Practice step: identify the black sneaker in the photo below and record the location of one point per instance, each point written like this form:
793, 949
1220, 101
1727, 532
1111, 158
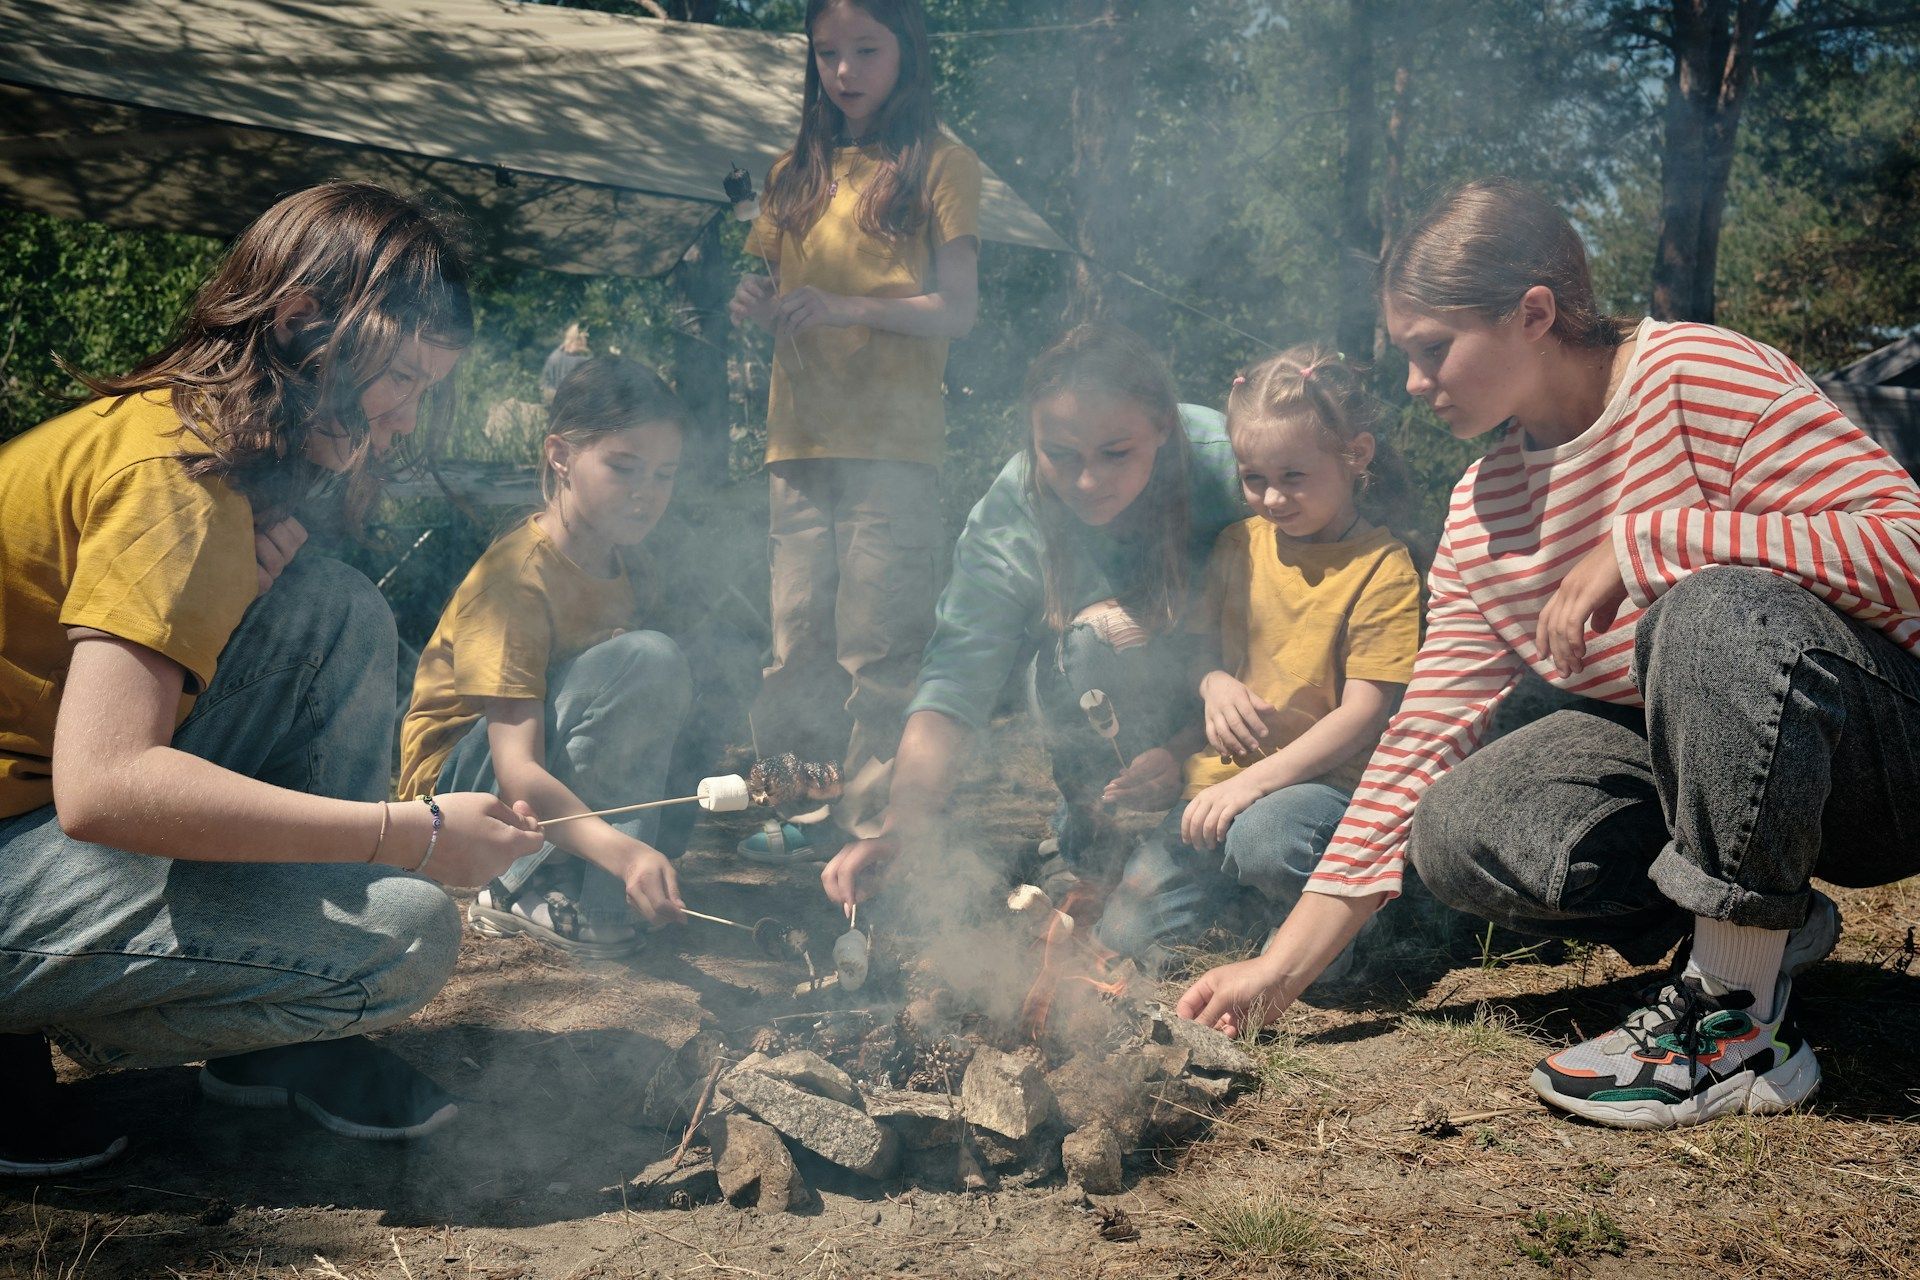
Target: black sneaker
40, 1137
351, 1086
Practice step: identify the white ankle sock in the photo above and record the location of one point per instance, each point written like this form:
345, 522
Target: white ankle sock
1741, 957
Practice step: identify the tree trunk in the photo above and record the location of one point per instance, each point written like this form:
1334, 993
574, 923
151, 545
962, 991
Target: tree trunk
1359, 232
1712, 71
1393, 195
699, 283
1101, 121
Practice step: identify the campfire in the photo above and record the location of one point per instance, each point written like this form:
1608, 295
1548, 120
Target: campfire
1019, 1053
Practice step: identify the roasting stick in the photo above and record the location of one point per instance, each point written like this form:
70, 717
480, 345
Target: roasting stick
724, 794
701, 915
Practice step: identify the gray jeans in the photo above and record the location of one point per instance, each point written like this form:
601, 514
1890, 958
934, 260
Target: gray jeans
136, 961
1781, 741
613, 714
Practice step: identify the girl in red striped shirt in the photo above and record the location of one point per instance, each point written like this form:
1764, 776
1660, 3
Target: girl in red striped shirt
1722, 573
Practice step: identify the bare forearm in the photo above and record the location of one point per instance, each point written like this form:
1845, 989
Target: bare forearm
166, 803
594, 839
1334, 738
1317, 929
929, 315
923, 769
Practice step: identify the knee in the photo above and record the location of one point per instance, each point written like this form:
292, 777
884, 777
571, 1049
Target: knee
1275, 845
322, 587
1443, 855
418, 928
1719, 623
647, 665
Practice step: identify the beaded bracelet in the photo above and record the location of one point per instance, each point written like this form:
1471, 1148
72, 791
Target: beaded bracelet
439, 820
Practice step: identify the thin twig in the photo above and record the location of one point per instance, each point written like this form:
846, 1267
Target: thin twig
394, 1240
699, 1112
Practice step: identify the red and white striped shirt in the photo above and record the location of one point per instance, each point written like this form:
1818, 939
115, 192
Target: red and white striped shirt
1715, 450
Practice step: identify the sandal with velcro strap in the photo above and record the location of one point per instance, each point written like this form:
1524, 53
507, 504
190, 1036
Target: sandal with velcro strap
551, 917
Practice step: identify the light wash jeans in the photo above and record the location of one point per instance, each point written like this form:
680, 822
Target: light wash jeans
135, 961
1781, 741
1171, 893
613, 714
1150, 689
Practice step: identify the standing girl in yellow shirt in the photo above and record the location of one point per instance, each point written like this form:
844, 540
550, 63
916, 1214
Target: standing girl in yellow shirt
198, 858
871, 230
1313, 605
543, 682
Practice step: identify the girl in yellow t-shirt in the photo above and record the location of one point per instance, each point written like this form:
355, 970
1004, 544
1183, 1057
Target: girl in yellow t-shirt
871, 231
1313, 607
543, 683
201, 862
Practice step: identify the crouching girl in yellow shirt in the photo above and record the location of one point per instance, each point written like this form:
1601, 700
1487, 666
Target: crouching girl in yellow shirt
542, 682
1314, 606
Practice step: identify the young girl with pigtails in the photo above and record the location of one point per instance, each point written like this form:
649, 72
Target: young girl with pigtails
1310, 621
871, 233
544, 682
1682, 530
198, 858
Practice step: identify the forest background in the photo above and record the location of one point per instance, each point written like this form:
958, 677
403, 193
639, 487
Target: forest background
1230, 172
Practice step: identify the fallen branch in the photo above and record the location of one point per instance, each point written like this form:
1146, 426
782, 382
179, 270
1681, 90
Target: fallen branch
699, 1112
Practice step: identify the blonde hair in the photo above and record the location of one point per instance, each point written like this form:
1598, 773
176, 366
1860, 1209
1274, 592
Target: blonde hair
1107, 360
1319, 388
1483, 244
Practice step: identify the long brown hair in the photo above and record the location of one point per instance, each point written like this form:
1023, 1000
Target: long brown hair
1483, 244
1107, 360
894, 205
1316, 385
378, 267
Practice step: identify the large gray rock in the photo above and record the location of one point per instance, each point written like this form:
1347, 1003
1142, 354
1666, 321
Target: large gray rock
1091, 1157
1004, 1093
832, 1130
813, 1073
921, 1120
754, 1166
1207, 1049
1112, 1091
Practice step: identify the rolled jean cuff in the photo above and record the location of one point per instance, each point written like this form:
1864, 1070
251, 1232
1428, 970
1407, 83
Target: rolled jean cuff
1694, 890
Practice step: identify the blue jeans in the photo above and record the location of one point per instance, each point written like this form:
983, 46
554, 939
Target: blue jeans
1781, 741
135, 961
1151, 691
613, 714
1172, 893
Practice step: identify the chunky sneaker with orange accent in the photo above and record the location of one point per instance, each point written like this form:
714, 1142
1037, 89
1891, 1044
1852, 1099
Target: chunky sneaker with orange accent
1695, 1052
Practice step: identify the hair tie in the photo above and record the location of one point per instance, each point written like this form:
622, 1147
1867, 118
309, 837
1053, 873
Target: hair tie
1239, 379
1306, 374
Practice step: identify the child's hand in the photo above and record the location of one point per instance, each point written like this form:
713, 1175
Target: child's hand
479, 837
1588, 600
856, 871
652, 886
753, 300
1236, 715
1209, 814
1233, 998
1150, 783
807, 307
274, 548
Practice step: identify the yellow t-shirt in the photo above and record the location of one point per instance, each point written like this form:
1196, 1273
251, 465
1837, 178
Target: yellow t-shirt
100, 526
523, 609
859, 392
1296, 619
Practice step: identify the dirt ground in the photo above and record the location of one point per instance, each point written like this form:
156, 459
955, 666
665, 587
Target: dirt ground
1393, 1134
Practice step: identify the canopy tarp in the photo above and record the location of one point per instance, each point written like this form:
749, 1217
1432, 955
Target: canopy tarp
574, 140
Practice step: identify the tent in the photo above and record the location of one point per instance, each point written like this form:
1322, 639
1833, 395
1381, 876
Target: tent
574, 140
1881, 393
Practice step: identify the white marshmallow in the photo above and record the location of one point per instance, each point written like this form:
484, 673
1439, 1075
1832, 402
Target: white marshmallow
724, 794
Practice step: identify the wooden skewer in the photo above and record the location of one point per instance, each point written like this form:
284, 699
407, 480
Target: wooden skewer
701, 915
625, 808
